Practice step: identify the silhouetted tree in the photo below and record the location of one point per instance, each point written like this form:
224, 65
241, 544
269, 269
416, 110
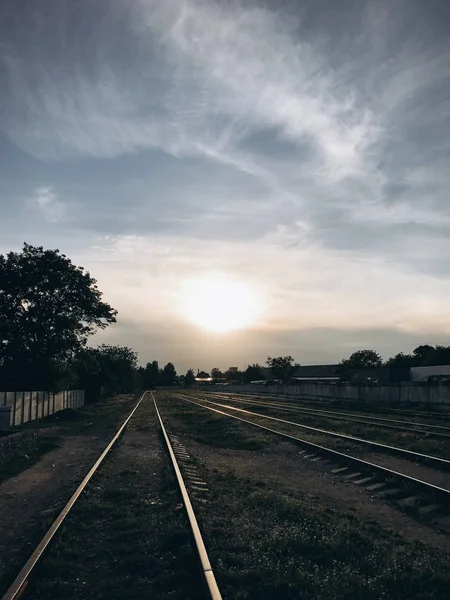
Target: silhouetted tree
168, 375
232, 375
189, 378
282, 367
363, 359
48, 309
441, 355
110, 367
424, 355
216, 373
151, 375
253, 373
399, 366
203, 375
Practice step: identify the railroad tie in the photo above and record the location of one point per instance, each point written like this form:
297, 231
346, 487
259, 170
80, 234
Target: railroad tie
375, 486
363, 480
351, 476
425, 510
410, 501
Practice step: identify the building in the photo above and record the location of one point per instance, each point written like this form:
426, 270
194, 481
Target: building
425, 373
325, 373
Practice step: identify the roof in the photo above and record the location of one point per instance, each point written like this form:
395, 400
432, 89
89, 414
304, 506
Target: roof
309, 371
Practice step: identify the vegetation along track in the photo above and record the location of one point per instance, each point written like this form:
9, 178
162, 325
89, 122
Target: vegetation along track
357, 406
427, 499
436, 461
396, 424
421, 438
37, 580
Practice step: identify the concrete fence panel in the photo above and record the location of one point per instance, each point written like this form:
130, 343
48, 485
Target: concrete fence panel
404, 393
30, 406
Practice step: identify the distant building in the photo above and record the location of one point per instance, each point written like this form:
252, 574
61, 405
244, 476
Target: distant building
425, 373
325, 373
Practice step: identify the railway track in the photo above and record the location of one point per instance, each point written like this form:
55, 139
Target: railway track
394, 424
435, 461
353, 405
19, 586
427, 499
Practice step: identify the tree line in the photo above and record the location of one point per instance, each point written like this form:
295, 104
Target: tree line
397, 368
49, 309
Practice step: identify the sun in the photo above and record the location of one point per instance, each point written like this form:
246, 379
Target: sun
219, 303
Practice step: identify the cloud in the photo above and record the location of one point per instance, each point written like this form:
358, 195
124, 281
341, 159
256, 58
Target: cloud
306, 287
304, 154
46, 201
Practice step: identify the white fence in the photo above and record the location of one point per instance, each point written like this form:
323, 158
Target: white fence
29, 406
389, 394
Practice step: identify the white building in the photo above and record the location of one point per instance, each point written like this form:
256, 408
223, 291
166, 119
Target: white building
423, 373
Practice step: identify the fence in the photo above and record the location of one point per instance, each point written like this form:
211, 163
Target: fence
29, 406
407, 393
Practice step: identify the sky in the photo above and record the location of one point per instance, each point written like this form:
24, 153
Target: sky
287, 159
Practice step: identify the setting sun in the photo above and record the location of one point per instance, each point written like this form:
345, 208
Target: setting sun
218, 303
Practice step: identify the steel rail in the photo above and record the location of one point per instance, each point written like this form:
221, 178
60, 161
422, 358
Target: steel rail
200, 545
353, 415
424, 485
401, 451
21, 581
343, 416
357, 403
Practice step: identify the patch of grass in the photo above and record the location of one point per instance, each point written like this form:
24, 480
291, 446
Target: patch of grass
211, 429
24, 461
416, 442
91, 418
266, 544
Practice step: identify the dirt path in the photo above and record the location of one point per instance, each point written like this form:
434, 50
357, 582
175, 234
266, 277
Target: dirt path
29, 501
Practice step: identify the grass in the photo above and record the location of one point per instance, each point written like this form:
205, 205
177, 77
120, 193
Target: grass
416, 442
268, 544
211, 429
23, 461
97, 418
91, 418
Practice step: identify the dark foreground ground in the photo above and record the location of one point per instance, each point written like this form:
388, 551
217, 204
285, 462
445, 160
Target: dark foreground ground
276, 526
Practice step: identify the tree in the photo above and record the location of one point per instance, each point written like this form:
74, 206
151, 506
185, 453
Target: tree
233, 375
363, 359
48, 309
441, 356
399, 366
282, 367
168, 375
112, 368
253, 373
203, 375
216, 373
151, 375
424, 355
189, 379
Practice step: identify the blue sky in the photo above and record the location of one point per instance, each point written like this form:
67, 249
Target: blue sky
299, 147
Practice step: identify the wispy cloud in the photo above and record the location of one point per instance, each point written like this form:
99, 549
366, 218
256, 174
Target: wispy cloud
306, 154
46, 201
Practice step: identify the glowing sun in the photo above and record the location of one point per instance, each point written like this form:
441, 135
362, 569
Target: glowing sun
218, 303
